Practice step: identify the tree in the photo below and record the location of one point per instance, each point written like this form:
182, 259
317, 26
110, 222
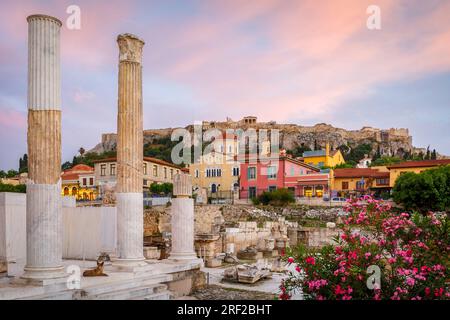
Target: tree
385, 161
23, 164
358, 152
12, 173
428, 190
2, 174
433, 155
428, 155
81, 151
66, 165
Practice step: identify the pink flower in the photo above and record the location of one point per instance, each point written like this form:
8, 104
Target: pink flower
410, 281
367, 255
297, 268
290, 260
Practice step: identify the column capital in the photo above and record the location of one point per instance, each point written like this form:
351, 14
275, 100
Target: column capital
44, 17
130, 48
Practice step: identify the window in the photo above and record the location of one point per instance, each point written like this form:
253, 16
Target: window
382, 182
155, 170
196, 173
292, 171
84, 181
301, 171
360, 185
219, 172
112, 169
91, 181
145, 168
272, 188
171, 174
272, 172
145, 182
235, 171
344, 185
165, 173
103, 169
251, 173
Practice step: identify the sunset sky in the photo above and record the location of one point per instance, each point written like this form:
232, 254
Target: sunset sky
301, 62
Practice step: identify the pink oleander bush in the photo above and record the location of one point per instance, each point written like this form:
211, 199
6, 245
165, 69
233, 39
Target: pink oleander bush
411, 250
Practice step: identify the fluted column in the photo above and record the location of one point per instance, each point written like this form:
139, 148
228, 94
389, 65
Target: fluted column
182, 219
129, 197
44, 220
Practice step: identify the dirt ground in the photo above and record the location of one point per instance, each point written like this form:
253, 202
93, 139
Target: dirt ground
215, 292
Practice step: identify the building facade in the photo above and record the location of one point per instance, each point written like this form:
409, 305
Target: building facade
154, 170
323, 158
396, 170
79, 182
275, 173
356, 181
217, 170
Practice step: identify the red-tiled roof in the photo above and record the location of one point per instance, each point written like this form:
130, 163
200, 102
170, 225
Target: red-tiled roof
81, 167
422, 163
77, 170
359, 172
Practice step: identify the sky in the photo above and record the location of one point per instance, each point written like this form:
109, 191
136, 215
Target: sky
301, 62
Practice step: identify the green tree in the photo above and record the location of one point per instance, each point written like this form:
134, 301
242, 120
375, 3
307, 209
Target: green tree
385, 161
66, 165
23, 164
433, 155
11, 173
357, 153
428, 190
21, 188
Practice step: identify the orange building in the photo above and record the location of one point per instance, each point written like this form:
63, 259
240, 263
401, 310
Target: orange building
79, 182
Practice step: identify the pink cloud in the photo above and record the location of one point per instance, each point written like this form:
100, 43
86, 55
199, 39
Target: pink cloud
319, 56
12, 119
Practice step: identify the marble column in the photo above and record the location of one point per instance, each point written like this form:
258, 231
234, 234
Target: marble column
182, 219
44, 212
129, 196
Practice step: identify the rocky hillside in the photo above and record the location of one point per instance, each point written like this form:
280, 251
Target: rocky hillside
388, 141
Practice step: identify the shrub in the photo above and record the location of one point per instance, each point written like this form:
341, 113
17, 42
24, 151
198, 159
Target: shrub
410, 250
279, 197
161, 188
21, 188
428, 190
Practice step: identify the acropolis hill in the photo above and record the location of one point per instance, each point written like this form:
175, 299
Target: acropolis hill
391, 141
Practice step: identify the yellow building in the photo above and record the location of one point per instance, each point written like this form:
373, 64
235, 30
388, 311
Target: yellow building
217, 170
358, 180
79, 182
323, 158
413, 166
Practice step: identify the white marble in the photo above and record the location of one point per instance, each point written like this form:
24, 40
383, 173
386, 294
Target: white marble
88, 231
130, 228
13, 227
44, 75
44, 231
182, 229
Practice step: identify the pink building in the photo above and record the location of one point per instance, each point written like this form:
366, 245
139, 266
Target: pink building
283, 172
